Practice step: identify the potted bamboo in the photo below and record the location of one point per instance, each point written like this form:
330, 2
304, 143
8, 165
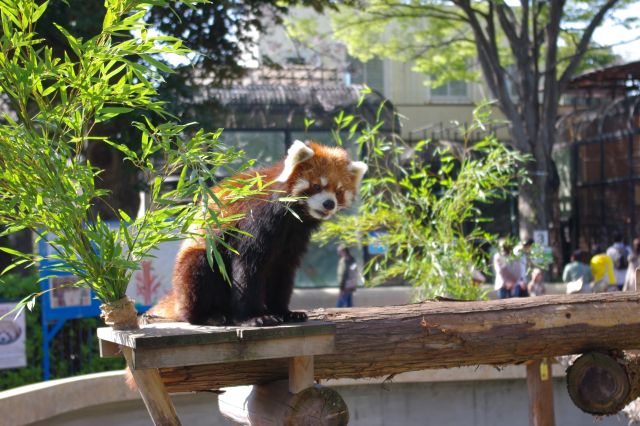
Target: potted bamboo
47, 184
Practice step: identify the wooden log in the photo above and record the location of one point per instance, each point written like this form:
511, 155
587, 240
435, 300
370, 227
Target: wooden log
382, 341
603, 384
273, 404
540, 387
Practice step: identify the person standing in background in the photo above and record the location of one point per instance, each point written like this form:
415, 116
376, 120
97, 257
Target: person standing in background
526, 264
619, 255
577, 269
508, 272
634, 262
604, 278
346, 276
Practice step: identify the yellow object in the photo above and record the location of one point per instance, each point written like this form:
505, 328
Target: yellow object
601, 264
544, 369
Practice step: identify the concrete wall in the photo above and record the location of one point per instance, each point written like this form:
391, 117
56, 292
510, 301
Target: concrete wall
377, 296
482, 396
193, 409
477, 403
326, 297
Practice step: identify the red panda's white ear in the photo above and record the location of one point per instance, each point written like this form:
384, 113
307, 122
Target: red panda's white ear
298, 152
358, 169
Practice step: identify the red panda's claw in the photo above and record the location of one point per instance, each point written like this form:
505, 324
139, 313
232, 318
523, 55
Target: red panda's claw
295, 316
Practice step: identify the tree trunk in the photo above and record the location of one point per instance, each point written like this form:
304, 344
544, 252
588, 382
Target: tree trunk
117, 177
383, 341
532, 202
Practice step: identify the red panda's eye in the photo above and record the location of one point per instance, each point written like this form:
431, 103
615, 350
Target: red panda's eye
339, 193
316, 187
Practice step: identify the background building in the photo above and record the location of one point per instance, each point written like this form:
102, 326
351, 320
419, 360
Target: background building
601, 143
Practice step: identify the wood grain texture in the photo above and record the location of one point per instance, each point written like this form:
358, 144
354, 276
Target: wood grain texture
382, 341
604, 383
176, 356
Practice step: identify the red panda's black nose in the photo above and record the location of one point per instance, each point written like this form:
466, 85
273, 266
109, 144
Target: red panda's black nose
329, 204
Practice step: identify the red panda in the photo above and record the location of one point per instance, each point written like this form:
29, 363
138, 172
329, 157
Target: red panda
262, 273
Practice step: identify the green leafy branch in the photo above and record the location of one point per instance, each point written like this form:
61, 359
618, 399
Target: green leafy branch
421, 202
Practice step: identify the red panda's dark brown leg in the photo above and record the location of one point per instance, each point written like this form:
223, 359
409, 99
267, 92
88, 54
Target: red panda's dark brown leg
248, 295
201, 294
279, 289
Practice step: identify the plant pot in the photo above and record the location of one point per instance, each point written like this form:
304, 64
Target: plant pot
120, 315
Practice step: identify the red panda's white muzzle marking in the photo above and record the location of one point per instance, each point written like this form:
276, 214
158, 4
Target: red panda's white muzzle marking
322, 205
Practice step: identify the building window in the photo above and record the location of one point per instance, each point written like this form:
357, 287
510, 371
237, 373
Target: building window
370, 73
456, 89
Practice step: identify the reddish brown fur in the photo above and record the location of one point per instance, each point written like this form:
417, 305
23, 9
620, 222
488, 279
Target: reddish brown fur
329, 162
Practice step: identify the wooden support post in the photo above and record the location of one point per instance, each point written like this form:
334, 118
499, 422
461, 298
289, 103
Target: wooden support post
273, 404
153, 393
540, 385
300, 373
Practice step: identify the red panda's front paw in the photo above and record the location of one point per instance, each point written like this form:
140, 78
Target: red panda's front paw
263, 321
295, 316
218, 320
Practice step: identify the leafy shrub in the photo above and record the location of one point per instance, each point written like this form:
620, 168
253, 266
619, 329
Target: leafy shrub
421, 203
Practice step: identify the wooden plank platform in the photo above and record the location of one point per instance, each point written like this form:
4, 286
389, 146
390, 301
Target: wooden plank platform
168, 334
165, 345
172, 344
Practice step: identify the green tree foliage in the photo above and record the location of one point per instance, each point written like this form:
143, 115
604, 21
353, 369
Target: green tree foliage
421, 203
47, 184
222, 33
526, 53
438, 36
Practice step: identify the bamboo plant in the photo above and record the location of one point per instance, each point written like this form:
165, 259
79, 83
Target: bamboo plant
47, 185
421, 203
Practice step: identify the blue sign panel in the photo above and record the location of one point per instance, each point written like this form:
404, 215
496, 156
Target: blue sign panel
62, 301
376, 247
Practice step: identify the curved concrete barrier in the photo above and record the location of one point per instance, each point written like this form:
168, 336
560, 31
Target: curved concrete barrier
468, 395
40, 401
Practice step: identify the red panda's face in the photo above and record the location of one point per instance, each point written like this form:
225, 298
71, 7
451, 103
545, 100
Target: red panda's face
325, 178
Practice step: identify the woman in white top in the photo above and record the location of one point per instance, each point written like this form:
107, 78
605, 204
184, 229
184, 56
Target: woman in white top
634, 262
